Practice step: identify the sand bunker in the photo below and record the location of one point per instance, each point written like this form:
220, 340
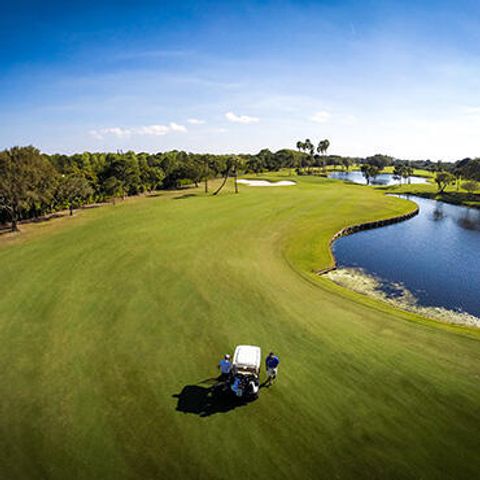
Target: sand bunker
265, 183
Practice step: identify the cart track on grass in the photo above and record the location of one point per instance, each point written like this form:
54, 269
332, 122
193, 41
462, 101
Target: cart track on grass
104, 320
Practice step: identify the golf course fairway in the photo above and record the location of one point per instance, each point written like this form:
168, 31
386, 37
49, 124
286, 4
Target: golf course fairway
110, 322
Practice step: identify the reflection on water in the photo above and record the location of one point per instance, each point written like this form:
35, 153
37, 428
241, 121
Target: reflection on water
469, 220
464, 217
438, 214
383, 179
435, 255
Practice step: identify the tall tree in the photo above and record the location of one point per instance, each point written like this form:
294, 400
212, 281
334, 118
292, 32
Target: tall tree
471, 186
206, 171
42, 197
322, 150
310, 150
124, 167
73, 191
22, 172
381, 161
408, 173
443, 180
151, 174
470, 168
369, 171
236, 165
398, 172
228, 166
255, 164
347, 163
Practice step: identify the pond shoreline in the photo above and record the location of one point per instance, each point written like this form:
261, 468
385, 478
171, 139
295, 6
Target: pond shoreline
359, 280
424, 190
459, 199
351, 229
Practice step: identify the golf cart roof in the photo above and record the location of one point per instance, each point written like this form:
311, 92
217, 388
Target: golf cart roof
247, 357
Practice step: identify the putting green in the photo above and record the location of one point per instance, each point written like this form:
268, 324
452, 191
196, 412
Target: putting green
109, 323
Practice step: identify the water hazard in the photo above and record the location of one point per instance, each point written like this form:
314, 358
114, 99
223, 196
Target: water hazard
435, 256
383, 179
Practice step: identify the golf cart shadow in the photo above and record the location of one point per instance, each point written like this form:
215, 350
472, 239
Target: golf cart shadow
207, 400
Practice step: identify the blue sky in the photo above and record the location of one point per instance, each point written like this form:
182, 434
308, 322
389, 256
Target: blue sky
373, 76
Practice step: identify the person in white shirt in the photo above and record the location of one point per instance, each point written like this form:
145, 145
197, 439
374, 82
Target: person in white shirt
225, 366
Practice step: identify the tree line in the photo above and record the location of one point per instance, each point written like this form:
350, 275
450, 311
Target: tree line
464, 173
33, 184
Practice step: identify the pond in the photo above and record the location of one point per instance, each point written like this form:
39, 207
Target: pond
435, 256
383, 179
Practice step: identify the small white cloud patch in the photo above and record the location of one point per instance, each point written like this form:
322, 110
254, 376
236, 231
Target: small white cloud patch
195, 121
156, 130
232, 117
320, 117
175, 127
153, 130
96, 134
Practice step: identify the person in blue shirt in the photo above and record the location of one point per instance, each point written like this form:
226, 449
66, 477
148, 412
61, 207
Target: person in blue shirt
271, 363
225, 366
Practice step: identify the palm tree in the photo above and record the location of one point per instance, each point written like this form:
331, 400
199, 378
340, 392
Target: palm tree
226, 174
407, 173
236, 164
458, 176
310, 149
232, 166
398, 172
301, 147
326, 144
322, 149
205, 172
369, 171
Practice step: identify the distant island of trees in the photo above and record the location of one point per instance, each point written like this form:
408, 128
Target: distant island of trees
33, 184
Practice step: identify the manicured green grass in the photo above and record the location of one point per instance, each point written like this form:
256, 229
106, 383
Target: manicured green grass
417, 172
106, 317
452, 194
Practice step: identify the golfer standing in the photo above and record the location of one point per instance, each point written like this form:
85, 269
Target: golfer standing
225, 366
271, 363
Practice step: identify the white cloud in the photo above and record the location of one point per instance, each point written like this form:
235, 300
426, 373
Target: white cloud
152, 130
232, 117
96, 134
320, 117
175, 127
195, 121
116, 131
156, 130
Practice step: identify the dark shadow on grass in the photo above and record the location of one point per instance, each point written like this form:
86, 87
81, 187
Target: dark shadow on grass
5, 230
207, 400
46, 218
184, 196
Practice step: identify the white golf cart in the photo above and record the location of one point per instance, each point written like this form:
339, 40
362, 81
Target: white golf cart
245, 378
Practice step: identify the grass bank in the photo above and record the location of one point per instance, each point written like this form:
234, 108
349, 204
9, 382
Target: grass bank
450, 195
